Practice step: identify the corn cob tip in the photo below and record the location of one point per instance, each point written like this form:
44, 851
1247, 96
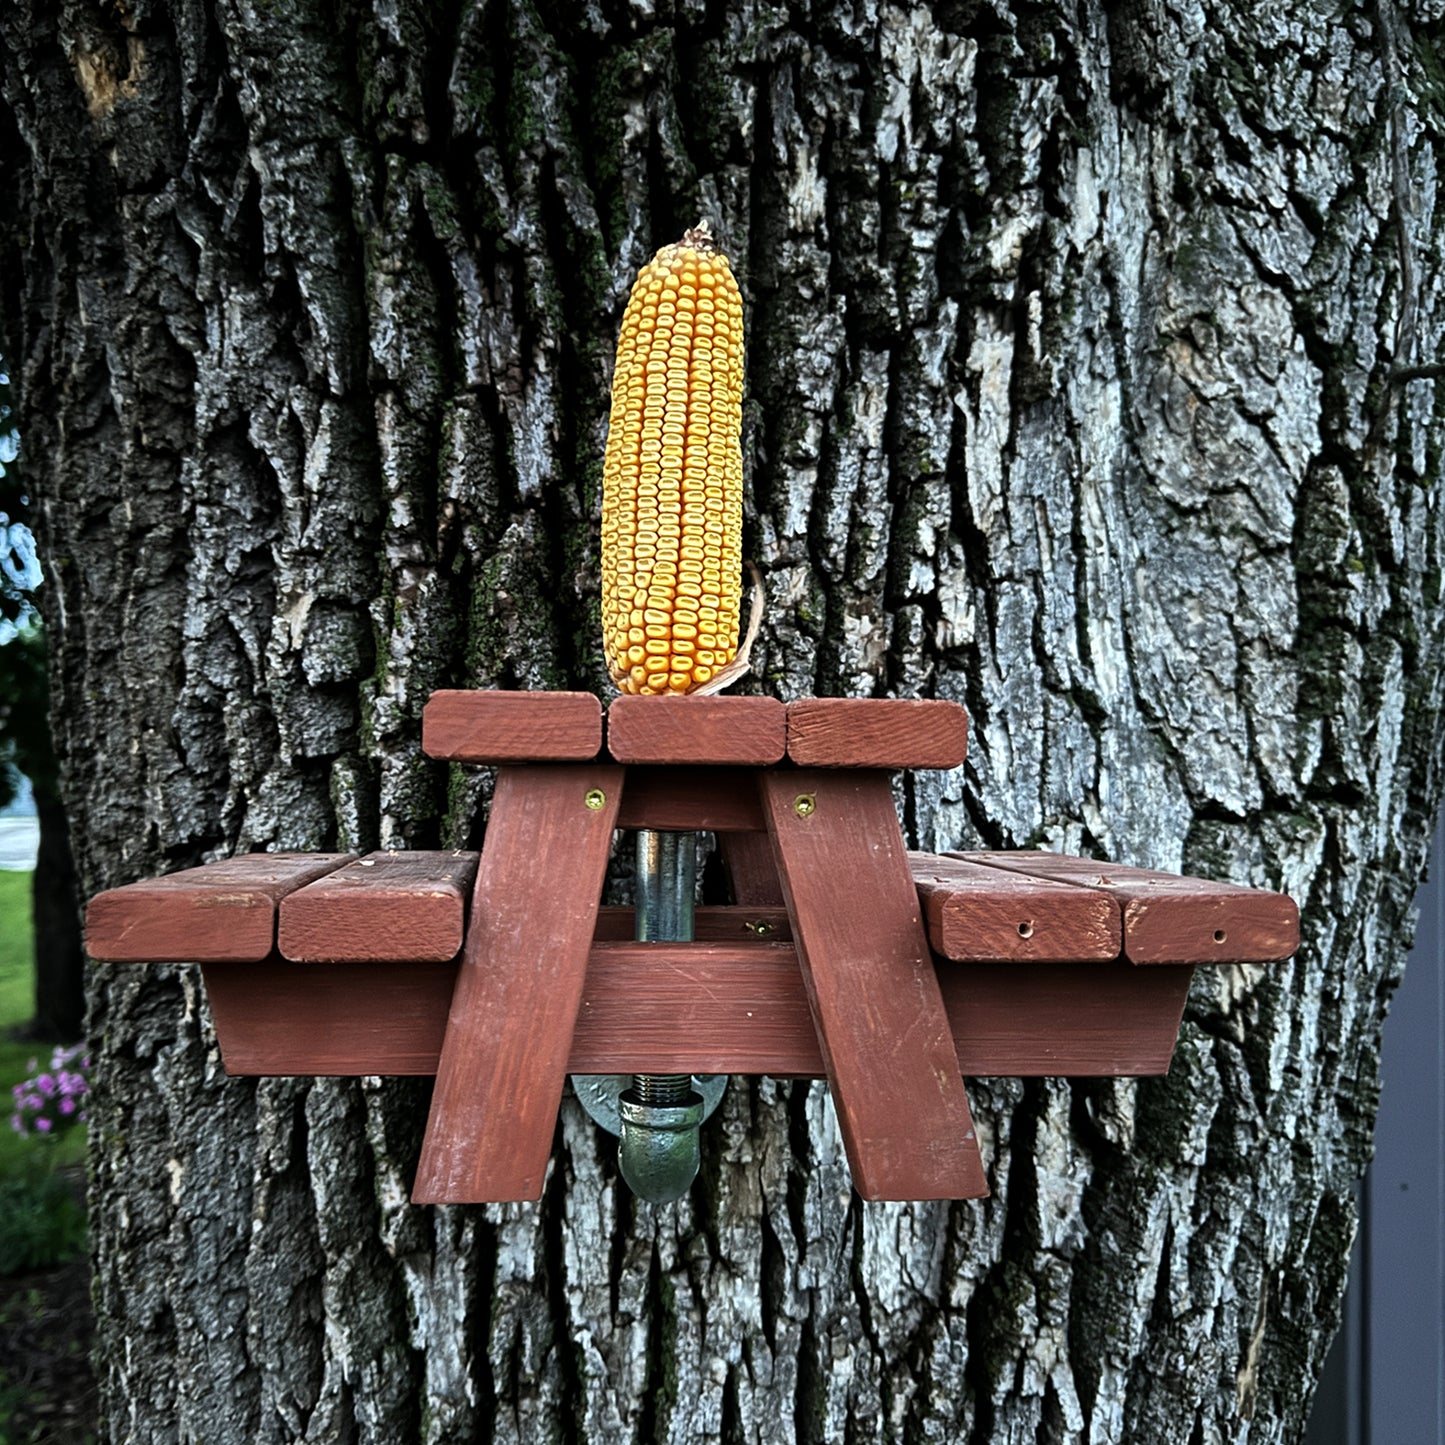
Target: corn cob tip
700, 239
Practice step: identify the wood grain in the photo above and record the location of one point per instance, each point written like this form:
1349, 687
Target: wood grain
751, 868
384, 906
697, 730
874, 996
509, 1027
711, 1009
977, 912
833, 732
466, 726
1169, 918
716, 800
224, 910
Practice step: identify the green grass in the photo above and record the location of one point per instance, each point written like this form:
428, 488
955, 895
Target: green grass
17, 1004
42, 1221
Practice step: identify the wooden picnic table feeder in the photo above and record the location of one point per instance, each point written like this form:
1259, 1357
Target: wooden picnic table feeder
892, 974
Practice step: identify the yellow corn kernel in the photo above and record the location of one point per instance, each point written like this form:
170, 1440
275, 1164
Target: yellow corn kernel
672, 474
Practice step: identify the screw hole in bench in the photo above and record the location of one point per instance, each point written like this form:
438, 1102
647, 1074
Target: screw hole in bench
1219, 935
1026, 929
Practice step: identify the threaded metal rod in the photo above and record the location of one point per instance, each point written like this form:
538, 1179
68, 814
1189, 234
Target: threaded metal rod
666, 883
660, 1113
662, 1088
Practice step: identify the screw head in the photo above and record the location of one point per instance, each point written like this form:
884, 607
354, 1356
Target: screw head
805, 805
595, 799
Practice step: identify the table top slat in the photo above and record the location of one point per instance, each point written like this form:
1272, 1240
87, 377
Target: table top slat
708, 731
464, 725
890, 733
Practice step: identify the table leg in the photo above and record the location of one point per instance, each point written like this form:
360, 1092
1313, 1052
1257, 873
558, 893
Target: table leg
752, 870
504, 1058
871, 985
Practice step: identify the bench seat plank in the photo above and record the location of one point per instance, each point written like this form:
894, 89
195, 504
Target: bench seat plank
222, 910
407, 905
1169, 918
974, 912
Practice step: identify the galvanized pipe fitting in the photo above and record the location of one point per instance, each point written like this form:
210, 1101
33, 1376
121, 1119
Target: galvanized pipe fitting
660, 1114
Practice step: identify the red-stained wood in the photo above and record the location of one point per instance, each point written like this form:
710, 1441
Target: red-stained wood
711, 924
703, 1009
384, 906
509, 1028
697, 730
1172, 919
979, 913
224, 910
716, 800
465, 726
872, 990
280, 1017
759, 1020
1020, 1019
835, 732
751, 868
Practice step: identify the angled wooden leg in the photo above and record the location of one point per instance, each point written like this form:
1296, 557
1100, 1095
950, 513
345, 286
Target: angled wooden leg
751, 867
882, 1029
509, 1030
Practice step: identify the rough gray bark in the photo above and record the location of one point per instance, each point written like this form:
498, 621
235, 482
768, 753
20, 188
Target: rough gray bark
1092, 383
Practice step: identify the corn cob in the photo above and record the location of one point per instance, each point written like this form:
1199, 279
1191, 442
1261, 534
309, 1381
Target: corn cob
672, 478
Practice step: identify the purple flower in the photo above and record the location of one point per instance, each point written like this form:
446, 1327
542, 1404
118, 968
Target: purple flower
48, 1103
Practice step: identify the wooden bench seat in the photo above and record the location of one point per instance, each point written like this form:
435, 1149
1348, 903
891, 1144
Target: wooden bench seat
393, 906
333, 964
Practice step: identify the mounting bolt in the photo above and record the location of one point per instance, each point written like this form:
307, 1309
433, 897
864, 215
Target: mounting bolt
595, 799
805, 805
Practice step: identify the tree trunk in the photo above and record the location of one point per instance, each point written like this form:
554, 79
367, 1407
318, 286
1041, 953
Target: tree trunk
1092, 383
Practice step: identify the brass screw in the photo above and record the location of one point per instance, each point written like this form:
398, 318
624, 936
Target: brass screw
761, 927
595, 799
805, 805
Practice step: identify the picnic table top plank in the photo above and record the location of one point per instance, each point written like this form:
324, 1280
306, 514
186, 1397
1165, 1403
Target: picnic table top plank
467, 725
708, 731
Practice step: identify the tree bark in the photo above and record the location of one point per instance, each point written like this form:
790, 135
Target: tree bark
1091, 367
